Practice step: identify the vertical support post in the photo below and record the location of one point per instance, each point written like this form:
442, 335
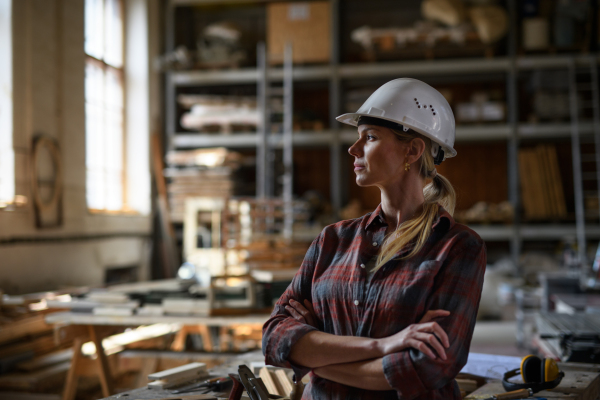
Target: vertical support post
103, 367
262, 137
170, 97
70, 389
596, 118
288, 144
576, 156
513, 140
334, 110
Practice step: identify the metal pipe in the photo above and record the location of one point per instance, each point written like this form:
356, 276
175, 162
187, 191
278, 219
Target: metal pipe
576, 155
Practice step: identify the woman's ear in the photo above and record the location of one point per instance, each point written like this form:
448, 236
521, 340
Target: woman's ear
416, 147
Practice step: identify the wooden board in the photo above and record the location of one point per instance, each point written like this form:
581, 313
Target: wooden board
581, 382
26, 326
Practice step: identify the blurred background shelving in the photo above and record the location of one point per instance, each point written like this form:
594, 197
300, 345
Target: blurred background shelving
506, 75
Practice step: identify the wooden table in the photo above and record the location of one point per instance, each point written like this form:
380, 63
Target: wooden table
92, 328
581, 382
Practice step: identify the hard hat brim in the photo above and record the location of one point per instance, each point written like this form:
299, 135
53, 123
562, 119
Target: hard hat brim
352, 119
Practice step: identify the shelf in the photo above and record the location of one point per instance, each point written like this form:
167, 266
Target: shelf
537, 232
246, 140
375, 70
348, 136
427, 67
550, 130
245, 75
525, 63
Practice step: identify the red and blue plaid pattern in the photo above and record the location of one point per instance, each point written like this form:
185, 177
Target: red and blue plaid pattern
447, 274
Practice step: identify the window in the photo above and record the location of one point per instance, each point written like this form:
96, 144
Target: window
7, 156
104, 100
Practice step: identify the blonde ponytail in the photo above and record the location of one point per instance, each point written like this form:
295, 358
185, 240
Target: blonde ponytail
438, 191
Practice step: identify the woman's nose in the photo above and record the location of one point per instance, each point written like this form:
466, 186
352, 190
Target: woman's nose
354, 150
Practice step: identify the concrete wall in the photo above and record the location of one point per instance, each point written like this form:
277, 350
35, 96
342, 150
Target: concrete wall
48, 98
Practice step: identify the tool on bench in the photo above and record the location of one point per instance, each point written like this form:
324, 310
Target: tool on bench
216, 384
515, 394
256, 388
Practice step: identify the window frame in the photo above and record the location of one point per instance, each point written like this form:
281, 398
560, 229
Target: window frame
120, 72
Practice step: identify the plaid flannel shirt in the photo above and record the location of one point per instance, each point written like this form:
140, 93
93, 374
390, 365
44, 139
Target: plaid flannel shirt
447, 273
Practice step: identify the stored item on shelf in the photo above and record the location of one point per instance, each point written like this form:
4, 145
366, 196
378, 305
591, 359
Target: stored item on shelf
535, 34
224, 112
551, 105
447, 12
542, 193
483, 212
219, 46
491, 22
181, 58
305, 25
480, 109
210, 173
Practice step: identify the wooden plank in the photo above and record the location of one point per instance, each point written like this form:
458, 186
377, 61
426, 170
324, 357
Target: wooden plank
190, 371
148, 367
70, 387
269, 382
28, 396
37, 380
28, 326
284, 382
104, 371
547, 184
38, 346
526, 185
559, 195
46, 360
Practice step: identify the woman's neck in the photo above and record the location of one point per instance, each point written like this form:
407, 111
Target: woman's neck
401, 203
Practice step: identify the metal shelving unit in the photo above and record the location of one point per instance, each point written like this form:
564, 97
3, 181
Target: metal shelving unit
335, 73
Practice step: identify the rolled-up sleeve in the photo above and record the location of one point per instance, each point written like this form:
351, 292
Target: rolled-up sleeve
457, 288
282, 331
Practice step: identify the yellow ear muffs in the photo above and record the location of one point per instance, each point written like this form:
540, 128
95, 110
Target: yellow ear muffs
532, 369
551, 370
537, 374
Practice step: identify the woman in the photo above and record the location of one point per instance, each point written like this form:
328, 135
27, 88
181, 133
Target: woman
384, 306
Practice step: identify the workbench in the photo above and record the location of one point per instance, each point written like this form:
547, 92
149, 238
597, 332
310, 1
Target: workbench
581, 382
92, 325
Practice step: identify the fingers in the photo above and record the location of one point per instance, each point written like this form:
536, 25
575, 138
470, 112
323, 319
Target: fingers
431, 340
295, 314
298, 309
440, 333
433, 314
309, 306
422, 347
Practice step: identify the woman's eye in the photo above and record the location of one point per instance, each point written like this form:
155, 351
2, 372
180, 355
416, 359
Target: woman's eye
370, 137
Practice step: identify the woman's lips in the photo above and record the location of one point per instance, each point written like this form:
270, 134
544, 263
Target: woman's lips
358, 167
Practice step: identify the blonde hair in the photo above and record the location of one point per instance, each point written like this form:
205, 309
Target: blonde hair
438, 191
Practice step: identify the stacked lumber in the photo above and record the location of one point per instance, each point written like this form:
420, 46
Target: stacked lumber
33, 357
542, 193
201, 173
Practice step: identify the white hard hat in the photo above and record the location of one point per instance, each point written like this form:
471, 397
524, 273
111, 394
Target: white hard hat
415, 105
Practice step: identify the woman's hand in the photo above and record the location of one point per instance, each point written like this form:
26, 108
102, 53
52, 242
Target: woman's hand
420, 336
303, 313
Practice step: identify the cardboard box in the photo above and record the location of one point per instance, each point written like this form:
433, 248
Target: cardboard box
305, 25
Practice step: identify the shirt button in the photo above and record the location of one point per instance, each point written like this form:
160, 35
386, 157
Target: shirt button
356, 302
375, 244
362, 265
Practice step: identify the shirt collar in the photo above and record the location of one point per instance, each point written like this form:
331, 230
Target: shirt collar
444, 218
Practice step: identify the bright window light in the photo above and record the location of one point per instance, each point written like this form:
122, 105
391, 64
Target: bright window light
7, 156
104, 106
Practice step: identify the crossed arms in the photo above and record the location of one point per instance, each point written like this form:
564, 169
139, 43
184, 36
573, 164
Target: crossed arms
358, 361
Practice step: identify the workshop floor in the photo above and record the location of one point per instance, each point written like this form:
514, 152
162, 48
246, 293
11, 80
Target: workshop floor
496, 337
